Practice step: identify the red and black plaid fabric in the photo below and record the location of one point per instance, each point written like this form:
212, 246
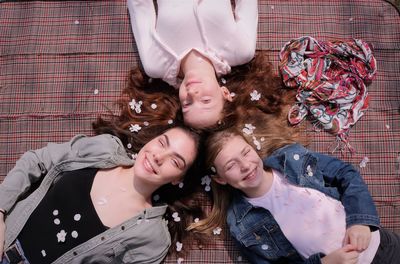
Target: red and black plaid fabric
63, 63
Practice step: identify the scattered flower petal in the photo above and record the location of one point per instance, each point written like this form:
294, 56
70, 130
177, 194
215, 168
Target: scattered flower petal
74, 234
265, 247
55, 212
96, 91
135, 128
196, 220
57, 221
213, 169
179, 261
248, 129
206, 180
136, 106
223, 80
296, 156
207, 188
170, 121
76, 22
134, 156
129, 146
255, 95
43, 253
61, 236
387, 126
77, 217
180, 185
102, 201
233, 94
153, 106
156, 197
364, 162
217, 231
309, 171
179, 246
145, 123
350, 19
262, 139
177, 219
256, 143
272, 7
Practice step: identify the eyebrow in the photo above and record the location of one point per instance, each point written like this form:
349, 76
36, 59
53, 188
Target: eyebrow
242, 151
176, 154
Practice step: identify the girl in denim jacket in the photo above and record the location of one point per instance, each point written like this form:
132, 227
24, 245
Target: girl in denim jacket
293, 206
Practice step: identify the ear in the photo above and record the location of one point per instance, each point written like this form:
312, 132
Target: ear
226, 94
219, 180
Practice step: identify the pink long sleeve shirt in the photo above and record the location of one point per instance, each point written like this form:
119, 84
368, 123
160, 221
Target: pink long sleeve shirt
226, 37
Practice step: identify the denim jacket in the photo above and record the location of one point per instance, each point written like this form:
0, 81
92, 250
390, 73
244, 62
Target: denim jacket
255, 230
142, 239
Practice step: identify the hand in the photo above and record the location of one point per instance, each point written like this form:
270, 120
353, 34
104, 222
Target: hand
358, 236
345, 255
2, 234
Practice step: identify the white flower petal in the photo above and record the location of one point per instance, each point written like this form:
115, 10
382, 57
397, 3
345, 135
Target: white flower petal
153, 106
217, 231
179, 246
74, 234
77, 217
61, 236
57, 221
55, 212
43, 253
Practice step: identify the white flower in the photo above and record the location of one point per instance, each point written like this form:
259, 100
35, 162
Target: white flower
57, 221
170, 121
364, 162
179, 246
217, 231
223, 80
77, 217
74, 234
262, 139
43, 253
129, 145
136, 106
134, 128
248, 129
180, 185
196, 220
55, 212
102, 201
177, 219
207, 188
255, 95
61, 236
153, 106
175, 215
76, 22
134, 156
145, 123
96, 91
256, 143
206, 180
179, 261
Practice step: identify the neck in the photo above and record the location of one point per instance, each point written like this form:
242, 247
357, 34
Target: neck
265, 185
142, 191
194, 61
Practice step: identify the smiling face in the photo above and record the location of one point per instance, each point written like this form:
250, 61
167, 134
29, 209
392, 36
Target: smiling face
239, 165
166, 158
202, 99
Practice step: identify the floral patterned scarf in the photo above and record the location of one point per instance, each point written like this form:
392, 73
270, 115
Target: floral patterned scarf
329, 78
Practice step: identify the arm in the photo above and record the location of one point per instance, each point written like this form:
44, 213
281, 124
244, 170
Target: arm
354, 195
143, 23
32, 167
246, 15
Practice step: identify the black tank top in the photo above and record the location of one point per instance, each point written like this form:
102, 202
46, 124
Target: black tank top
64, 219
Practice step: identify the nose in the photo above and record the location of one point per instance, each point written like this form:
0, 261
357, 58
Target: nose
159, 157
244, 166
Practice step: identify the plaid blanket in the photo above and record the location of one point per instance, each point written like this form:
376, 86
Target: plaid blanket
64, 62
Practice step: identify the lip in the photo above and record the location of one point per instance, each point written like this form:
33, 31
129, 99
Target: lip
148, 165
191, 82
251, 175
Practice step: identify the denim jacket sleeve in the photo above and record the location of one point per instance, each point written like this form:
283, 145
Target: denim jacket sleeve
354, 194
34, 165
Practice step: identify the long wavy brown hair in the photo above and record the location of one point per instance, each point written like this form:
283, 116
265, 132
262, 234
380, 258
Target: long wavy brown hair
159, 107
272, 131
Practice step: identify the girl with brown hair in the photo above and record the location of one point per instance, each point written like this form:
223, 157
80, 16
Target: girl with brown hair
112, 198
293, 205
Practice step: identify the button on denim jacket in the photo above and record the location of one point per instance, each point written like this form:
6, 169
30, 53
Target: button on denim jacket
142, 239
257, 233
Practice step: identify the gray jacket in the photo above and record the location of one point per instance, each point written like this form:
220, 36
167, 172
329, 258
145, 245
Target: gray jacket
141, 239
